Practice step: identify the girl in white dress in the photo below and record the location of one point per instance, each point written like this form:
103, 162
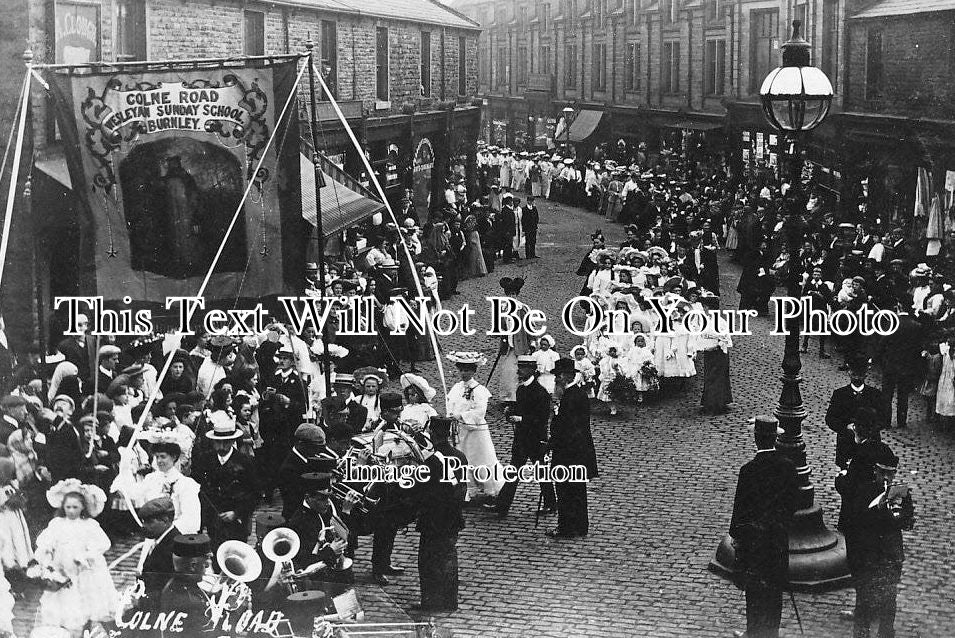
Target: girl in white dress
610, 369
467, 404
371, 383
639, 355
16, 550
585, 367
71, 550
418, 395
546, 357
945, 397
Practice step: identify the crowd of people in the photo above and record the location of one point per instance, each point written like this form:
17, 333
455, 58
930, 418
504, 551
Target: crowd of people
88, 456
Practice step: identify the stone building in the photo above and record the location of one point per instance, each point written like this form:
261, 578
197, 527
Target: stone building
403, 71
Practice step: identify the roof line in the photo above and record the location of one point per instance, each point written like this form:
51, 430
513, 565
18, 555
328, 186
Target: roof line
456, 12
346, 9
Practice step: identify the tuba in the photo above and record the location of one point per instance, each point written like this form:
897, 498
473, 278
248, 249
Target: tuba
279, 546
240, 564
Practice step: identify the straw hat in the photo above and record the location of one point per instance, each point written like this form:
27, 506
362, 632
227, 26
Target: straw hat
472, 358
223, 427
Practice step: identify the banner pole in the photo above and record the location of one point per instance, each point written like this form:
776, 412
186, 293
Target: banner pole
319, 182
384, 200
15, 169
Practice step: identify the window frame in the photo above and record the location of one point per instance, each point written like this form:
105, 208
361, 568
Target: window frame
462, 65
331, 62
424, 66
246, 44
869, 84
570, 67
672, 52
598, 70
633, 67
386, 101
714, 67
120, 54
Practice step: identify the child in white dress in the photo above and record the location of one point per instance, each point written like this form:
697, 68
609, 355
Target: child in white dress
585, 367
639, 355
610, 369
546, 357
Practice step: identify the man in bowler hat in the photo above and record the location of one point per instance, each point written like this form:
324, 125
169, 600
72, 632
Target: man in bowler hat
766, 497
844, 403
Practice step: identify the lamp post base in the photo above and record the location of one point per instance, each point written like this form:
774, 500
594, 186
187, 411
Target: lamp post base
817, 555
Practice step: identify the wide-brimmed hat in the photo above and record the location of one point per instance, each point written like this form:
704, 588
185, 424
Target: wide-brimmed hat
657, 250
527, 360
765, 426
223, 427
467, 358
93, 496
408, 379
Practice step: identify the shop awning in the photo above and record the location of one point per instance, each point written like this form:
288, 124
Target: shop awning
342, 202
696, 126
584, 125
56, 169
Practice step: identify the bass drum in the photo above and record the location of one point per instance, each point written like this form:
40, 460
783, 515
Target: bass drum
395, 505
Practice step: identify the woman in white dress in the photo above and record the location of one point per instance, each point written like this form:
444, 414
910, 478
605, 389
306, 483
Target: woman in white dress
945, 396
418, 395
467, 405
546, 358
169, 481
70, 554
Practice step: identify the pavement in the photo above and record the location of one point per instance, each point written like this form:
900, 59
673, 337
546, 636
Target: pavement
664, 496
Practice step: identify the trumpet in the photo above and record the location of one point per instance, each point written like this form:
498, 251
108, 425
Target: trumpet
279, 546
345, 493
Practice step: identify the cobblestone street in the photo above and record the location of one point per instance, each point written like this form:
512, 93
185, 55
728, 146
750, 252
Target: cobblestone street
664, 496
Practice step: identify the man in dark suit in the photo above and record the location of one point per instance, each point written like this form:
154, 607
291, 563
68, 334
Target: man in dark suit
874, 548
314, 522
13, 413
308, 454
901, 354
529, 416
868, 442
155, 563
571, 444
508, 227
844, 403
342, 420
440, 508
762, 511
529, 223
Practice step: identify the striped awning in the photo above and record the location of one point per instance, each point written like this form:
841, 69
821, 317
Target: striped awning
343, 203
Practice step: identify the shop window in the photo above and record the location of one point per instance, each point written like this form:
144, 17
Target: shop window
130, 30
254, 36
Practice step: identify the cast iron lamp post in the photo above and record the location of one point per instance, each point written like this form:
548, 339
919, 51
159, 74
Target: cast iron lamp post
795, 98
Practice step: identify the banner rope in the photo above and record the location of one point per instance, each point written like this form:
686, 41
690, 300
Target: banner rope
15, 169
384, 199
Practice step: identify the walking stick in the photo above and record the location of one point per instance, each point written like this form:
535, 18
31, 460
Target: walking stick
493, 368
792, 597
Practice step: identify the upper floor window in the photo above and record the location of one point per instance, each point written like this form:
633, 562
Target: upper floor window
382, 90
668, 11
330, 55
712, 10
462, 65
599, 75
874, 68
764, 45
426, 64
254, 42
830, 40
670, 68
130, 30
714, 59
632, 80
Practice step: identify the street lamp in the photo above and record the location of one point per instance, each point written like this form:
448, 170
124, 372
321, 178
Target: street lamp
795, 99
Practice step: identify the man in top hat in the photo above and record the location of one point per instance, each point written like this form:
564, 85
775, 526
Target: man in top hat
766, 498
440, 513
192, 560
229, 485
530, 220
880, 509
507, 227
308, 454
571, 443
530, 415
844, 403
155, 566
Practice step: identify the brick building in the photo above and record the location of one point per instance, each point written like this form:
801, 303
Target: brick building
403, 71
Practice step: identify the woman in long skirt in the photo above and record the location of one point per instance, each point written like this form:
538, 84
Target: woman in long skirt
717, 393
945, 396
474, 265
